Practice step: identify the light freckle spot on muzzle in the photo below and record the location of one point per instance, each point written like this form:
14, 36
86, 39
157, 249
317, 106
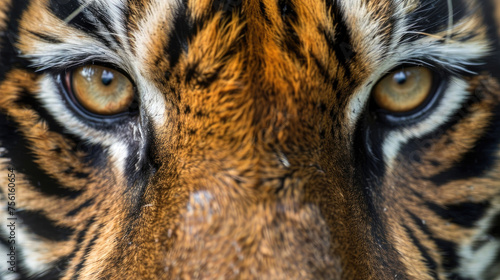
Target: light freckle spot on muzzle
199, 206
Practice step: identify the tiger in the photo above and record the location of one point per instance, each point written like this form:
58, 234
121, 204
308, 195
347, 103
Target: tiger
250, 139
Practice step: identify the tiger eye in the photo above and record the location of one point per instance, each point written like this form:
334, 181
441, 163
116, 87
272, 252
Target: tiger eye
404, 90
102, 90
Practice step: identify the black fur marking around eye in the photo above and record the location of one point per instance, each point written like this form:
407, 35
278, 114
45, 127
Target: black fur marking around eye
369, 135
41, 225
365, 185
8, 52
429, 261
142, 164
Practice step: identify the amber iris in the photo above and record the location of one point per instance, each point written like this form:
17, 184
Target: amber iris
101, 90
404, 90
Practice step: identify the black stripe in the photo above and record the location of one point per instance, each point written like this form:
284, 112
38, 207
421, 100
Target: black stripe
263, 11
138, 179
46, 37
464, 214
202, 80
322, 69
491, 62
494, 230
142, 155
369, 156
87, 250
79, 240
8, 52
429, 261
23, 159
108, 25
95, 155
130, 24
464, 169
291, 40
63, 10
78, 209
185, 27
478, 160
81, 236
364, 185
341, 45
44, 227
182, 31
57, 268
446, 248
448, 262
431, 17
225, 6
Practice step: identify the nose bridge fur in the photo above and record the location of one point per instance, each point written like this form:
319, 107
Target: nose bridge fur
248, 227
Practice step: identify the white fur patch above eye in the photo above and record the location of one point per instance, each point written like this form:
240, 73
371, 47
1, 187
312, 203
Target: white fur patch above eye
74, 50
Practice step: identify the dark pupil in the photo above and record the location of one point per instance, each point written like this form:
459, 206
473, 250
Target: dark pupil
107, 78
400, 77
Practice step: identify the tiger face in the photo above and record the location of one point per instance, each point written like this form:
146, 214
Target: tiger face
250, 139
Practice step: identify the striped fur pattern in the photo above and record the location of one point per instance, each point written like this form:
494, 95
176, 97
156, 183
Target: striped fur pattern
254, 151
